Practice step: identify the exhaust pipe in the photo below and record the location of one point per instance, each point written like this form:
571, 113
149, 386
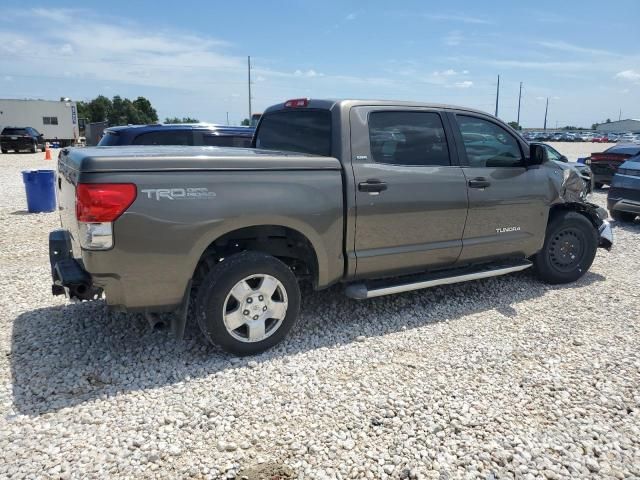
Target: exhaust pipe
156, 322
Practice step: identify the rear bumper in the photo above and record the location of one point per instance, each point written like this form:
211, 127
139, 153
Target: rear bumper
624, 195
16, 144
67, 273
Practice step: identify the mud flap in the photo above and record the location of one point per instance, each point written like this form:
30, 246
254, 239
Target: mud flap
179, 319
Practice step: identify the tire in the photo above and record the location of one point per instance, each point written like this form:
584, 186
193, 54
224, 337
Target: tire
599, 185
569, 248
622, 216
34, 148
245, 273
4, 150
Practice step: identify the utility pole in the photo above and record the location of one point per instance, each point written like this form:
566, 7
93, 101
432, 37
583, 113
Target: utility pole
249, 83
227, 118
546, 109
620, 115
519, 98
497, 94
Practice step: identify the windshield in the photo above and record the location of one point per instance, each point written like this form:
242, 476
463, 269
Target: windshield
305, 131
109, 139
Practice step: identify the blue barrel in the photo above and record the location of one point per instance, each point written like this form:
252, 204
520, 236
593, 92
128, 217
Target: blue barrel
41, 191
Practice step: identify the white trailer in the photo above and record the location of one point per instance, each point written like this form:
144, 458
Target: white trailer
56, 120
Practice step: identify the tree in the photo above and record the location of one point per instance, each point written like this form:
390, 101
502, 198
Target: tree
608, 120
118, 111
515, 125
594, 126
245, 122
181, 120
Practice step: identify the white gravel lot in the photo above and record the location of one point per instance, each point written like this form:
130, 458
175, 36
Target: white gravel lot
502, 378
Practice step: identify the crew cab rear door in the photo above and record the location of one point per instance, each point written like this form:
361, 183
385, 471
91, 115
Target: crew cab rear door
508, 204
411, 198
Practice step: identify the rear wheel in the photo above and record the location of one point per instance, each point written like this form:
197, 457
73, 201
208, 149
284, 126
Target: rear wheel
569, 248
599, 185
34, 147
248, 303
622, 216
4, 150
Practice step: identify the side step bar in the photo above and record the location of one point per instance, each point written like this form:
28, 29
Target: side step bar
361, 291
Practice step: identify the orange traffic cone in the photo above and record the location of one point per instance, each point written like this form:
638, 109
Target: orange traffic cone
47, 152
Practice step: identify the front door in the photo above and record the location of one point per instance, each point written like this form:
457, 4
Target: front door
411, 197
508, 203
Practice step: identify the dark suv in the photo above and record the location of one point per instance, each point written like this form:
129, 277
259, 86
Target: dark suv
201, 134
21, 138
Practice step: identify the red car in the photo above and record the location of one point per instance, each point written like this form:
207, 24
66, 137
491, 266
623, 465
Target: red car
599, 139
604, 165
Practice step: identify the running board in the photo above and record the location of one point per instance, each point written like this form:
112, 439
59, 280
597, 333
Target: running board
378, 288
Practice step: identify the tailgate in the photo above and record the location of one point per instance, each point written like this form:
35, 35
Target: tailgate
66, 193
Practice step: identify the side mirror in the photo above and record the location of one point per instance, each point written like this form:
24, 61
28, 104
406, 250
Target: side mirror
564, 159
537, 155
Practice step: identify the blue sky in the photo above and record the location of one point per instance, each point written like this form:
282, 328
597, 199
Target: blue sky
189, 58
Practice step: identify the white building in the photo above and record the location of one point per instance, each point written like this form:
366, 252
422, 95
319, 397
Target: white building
629, 125
55, 120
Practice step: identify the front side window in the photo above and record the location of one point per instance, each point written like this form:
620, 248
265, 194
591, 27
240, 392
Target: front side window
408, 138
553, 154
487, 144
166, 137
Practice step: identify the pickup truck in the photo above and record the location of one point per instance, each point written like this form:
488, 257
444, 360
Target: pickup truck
381, 196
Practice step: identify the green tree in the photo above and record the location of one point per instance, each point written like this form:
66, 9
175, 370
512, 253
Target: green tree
608, 120
245, 122
97, 110
146, 110
181, 120
515, 125
118, 111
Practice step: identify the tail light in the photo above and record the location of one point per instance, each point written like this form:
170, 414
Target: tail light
103, 202
296, 103
97, 206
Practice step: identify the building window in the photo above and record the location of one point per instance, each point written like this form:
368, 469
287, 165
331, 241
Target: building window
50, 120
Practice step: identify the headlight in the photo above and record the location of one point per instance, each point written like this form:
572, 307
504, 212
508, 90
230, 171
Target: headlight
587, 161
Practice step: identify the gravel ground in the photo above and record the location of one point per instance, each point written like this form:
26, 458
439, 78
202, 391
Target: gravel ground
500, 378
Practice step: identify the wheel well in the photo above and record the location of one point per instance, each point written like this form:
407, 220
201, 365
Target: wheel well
286, 244
575, 207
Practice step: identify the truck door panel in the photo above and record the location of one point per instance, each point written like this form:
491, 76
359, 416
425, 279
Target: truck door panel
411, 202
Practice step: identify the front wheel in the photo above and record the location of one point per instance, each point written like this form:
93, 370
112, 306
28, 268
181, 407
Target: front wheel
569, 249
599, 185
248, 303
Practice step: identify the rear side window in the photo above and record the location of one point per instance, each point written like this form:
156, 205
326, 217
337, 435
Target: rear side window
487, 144
166, 137
226, 141
109, 139
14, 131
305, 131
408, 138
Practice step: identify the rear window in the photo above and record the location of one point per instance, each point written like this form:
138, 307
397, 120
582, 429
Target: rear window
14, 131
304, 131
226, 141
624, 149
165, 137
109, 139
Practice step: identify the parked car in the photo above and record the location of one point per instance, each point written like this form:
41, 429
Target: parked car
583, 170
604, 164
381, 196
623, 199
21, 138
201, 134
599, 138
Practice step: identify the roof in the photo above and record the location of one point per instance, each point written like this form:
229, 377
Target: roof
185, 126
328, 104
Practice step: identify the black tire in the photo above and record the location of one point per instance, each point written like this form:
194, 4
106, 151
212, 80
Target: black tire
4, 150
215, 291
569, 248
34, 148
599, 185
622, 216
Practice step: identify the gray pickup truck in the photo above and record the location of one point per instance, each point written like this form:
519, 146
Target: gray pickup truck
382, 196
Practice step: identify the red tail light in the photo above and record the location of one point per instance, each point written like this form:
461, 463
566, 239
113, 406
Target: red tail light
103, 202
296, 103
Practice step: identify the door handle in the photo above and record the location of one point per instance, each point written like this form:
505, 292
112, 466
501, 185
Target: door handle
372, 186
479, 182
